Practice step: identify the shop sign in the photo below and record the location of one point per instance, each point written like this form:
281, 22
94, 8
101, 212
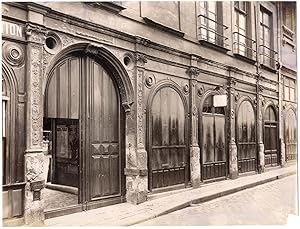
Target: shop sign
220, 100
12, 29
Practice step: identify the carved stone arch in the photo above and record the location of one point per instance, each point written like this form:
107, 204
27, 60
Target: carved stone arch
207, 94
241, 100
272, 104
171, 84
289, 107
100, 52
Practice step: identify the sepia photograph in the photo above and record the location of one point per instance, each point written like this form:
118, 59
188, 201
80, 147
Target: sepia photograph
149, 113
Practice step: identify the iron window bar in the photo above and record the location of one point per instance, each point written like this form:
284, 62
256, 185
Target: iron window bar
250, 52
219, 38
273, 58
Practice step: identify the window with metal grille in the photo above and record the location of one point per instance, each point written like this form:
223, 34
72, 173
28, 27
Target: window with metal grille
210, 23
267, 54
242, 42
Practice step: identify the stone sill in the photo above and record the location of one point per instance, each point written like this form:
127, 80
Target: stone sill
214, 46
163, 27
245, 58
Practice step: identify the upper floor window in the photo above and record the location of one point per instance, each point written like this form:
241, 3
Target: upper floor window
266, 34
289, 22
288, 14
211, 23
289, 89
242, 43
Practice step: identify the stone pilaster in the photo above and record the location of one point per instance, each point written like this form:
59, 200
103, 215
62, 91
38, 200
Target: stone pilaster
193, 72
233, 162
136, 170
261, 147
280, 117
34, 157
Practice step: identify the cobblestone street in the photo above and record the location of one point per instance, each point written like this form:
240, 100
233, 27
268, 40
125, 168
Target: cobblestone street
262, 205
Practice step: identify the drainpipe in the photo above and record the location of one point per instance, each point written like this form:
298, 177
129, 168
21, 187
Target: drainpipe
259, 97
280, 87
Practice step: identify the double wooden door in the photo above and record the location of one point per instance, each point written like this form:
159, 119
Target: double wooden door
271, 137
246, 138
168, 153
290, 135
82, 92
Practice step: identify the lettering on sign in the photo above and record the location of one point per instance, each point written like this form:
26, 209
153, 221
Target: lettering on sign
12, 29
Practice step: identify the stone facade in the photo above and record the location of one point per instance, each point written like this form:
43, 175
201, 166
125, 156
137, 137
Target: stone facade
148, 46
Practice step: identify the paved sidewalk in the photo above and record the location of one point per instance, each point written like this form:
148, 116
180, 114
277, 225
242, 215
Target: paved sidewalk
126, 214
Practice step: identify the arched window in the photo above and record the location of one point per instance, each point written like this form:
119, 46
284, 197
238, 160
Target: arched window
246, 138
167, 156
271, 137
290, 135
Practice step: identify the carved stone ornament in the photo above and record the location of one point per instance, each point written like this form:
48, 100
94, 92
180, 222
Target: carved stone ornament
36, 117
232, 81
232, 114
150, 80
13, 54
194, 111
186, 88
91, 49
35, 33
200, 90
66, 40
260, 88
193, 72
126, 106
141, 58
236, 96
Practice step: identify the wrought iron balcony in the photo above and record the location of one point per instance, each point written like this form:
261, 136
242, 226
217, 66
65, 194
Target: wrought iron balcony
268, 57
211, 32
244, 46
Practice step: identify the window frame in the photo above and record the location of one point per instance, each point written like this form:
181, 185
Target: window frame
288, 88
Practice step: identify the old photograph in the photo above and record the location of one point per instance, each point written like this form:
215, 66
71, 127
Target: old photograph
149, 113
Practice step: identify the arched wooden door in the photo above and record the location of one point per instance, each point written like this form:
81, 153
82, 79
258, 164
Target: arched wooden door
271, 137
168, 153
213, 147
290, 128
83, 105
246, 138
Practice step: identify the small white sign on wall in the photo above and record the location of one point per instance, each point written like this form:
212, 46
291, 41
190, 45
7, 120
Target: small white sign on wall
220, 100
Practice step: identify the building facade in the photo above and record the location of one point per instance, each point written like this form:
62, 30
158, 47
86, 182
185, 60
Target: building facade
112, 101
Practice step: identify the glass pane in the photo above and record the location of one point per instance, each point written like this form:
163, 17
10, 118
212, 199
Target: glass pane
266, 19
286, 93
272, 114
242, 23
62, 149
208, 104
261, 17
243, 6
212, 8
292, 94
220, 139
292, 83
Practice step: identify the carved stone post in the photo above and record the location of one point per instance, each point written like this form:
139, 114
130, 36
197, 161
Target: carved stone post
261, 147
194, 146
34, 157
136, 162
233, 163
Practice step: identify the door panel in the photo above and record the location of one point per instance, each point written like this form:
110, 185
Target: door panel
214, 163
271, 137
167, 154
104, 128
208, 139
290, 135
246, 138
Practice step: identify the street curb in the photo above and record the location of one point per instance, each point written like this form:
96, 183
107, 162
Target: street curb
211, 197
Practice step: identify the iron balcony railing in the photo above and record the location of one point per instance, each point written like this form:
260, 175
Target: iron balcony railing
211, 31
244, 45
268, 57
